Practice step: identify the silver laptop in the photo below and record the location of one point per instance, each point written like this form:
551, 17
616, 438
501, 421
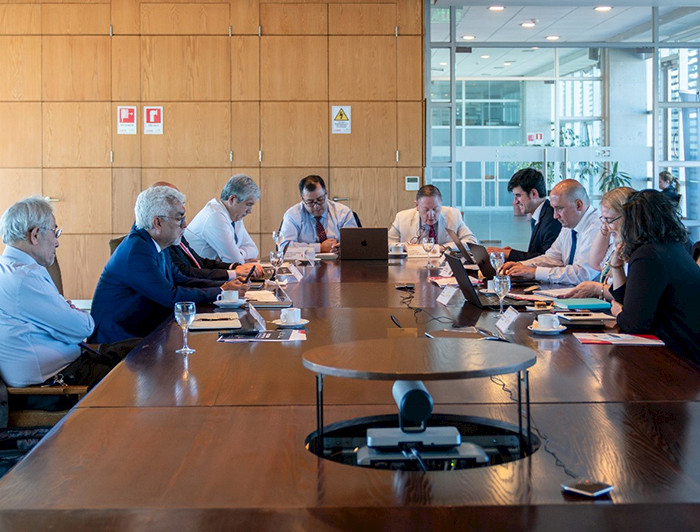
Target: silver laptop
364, 243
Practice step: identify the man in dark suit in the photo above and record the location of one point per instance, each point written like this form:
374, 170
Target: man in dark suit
529, 193
140, 285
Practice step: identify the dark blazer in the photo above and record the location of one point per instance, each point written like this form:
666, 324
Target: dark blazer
543, 235
210, 268
138, 289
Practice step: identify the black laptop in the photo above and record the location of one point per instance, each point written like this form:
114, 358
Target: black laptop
486, 301
364, 243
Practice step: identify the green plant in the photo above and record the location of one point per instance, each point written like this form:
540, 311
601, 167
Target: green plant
612, 178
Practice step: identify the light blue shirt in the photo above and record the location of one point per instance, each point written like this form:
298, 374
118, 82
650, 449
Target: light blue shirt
39, 331
298, 225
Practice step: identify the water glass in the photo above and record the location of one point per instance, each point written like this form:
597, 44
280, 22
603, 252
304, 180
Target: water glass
502, 286
185, 312
428, 243
498, 259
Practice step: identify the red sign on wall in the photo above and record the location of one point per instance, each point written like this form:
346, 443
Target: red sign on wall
152, 120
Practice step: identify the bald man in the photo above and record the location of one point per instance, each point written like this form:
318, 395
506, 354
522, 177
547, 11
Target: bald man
566, 261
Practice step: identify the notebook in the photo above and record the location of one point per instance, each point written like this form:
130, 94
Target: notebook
364, 243
470, 293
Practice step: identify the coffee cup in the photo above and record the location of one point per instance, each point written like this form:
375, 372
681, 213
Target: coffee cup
228, 296
548, 322
396, 248
290, 316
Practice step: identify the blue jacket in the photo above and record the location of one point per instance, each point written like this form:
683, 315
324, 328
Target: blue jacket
138, 289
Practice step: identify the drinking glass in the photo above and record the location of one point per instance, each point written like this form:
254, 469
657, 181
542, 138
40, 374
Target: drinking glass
428, 245
277, 238
498, 259
276, 259
502, 286
185, 311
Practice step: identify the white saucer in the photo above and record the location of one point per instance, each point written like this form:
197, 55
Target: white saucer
230, 304
537, 330
327, 256
290, 325
397, 255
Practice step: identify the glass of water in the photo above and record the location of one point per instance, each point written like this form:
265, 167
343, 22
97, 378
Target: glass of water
502, 286
498, 259
277, 238
185, 311
428, 243
276, 260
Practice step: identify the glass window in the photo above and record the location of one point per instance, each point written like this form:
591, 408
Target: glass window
440, 24
440, 75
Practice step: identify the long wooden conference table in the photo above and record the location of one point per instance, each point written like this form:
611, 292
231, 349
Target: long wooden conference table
218, 442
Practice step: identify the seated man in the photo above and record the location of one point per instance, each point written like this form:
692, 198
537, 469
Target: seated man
40, 331
429, 218
217, 231
567, 260
316, 219
139, 285
529, 193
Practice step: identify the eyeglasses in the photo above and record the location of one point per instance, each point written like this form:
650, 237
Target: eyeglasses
56, 231
180, 220
315, 202
608, 221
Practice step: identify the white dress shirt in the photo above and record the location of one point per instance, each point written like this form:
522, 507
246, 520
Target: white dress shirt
407, 227
39, 330
212, 235
554, 267
298, 225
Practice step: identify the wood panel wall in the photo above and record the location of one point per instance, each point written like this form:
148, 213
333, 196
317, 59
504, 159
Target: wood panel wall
246, 86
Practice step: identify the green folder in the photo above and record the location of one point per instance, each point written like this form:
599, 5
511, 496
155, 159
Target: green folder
588, 303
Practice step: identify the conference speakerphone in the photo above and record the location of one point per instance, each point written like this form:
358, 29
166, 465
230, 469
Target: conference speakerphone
430, 438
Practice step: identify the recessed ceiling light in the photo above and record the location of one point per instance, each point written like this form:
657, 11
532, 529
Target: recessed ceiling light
443, 64
485, 56
535, 48
496, 8
528, 24
468, 37
507, 63
603, 9
552, 37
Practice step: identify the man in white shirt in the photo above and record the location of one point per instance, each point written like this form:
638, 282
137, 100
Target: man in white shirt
316, 220
566, 261
429, 218
217, 231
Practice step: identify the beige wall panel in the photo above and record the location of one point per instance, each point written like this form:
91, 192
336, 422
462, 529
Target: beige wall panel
294, 19
184, 19
20, 65
82, 259
244, 17
127, 148
362, 68
372, 193
20, 135
20, 19
126, 68
75, 19
373, 138
280, 190
76, 68
17, 184
185, 68
258, 238
410, 133
76, 134
245, 68
245, 133
294, 68
294, 133
362, 19
126, 17
410, 17
406, 198
409, 58
126, 185
195, 134
85, 198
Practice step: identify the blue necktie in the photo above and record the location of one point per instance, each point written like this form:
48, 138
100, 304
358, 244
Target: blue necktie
532, 224
235, 235
573, 247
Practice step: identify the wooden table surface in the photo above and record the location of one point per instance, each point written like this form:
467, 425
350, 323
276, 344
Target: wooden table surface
218, 442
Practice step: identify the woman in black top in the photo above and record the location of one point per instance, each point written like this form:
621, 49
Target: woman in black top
668, 184
662, 292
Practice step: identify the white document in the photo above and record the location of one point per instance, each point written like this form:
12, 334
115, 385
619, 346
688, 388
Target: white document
446, 294
215, 320
554, 292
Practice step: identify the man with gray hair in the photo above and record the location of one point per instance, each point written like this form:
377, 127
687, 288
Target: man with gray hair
40, 331
139, 285
217, 231
566, 261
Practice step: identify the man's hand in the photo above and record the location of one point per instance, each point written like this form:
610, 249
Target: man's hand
585, 289
243, 269
505, 251
328, 245
518, 269
236, 284
616, 308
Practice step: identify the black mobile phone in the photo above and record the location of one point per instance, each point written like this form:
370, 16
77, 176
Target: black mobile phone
587, 487
250, 274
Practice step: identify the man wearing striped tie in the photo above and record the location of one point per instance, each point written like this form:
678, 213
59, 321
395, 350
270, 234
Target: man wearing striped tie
567, 260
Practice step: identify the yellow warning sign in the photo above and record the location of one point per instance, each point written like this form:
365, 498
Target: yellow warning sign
341, 116
342, 119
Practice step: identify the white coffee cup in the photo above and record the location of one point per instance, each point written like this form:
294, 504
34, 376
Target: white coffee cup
290, 316
396, 248
228, 296
548, 322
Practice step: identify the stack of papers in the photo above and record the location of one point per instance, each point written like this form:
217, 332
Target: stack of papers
417, 251
208, 321
617, 339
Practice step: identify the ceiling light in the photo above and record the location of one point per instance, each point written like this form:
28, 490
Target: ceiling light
485, 56
529, 24
552, 37
507, 63
468, 37
603, 9
496, 8
443, 64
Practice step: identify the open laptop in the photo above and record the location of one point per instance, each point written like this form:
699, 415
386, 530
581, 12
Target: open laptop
470, 293
364, 243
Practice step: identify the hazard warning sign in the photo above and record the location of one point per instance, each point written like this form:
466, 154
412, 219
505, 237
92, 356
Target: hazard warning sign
342, 119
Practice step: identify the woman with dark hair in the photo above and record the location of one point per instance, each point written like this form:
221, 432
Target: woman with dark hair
662, 292
668, 184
